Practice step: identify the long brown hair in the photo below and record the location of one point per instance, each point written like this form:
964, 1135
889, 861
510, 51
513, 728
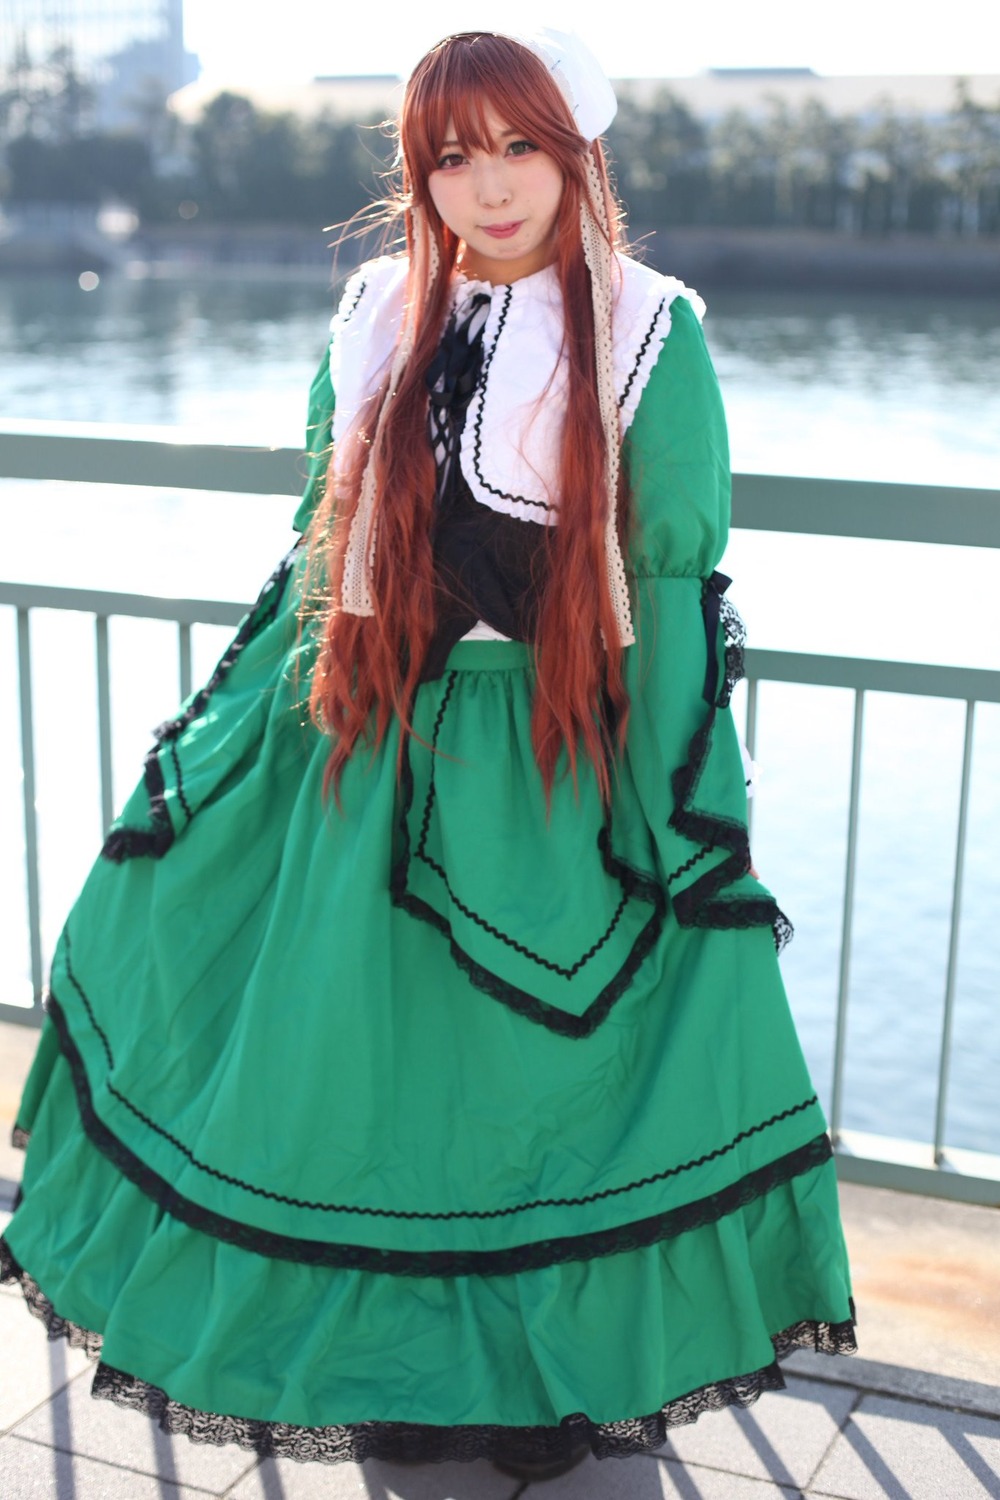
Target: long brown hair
368, 667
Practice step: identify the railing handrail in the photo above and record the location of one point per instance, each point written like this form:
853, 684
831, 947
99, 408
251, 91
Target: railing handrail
105, 602
151, 462
867, 674
761, 502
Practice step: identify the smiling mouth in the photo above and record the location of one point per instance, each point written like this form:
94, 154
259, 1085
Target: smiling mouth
502, 231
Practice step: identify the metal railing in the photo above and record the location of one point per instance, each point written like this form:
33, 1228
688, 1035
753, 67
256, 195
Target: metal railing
770, 503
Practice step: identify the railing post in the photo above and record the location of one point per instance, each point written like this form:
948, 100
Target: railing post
104, 723
184, 658
840, 1043
751, 738
956, 918
28, 795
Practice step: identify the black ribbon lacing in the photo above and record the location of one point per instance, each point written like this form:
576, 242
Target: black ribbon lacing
451, 379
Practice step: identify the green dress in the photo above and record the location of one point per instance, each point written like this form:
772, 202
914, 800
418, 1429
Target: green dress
443, 1123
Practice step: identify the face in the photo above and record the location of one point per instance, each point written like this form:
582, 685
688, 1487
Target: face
501, 203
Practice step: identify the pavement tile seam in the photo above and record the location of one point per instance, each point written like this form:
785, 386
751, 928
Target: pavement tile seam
230, 1489
108, 1464
770, 1486
56, 1391
244, 1474
858, 1398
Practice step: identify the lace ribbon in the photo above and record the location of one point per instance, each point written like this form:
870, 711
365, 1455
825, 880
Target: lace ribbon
596, 237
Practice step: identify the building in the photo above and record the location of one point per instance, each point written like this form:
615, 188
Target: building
708, 95
716, 92
128, 55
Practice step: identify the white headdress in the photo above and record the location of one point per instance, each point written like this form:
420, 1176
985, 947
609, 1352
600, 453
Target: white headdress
592, 103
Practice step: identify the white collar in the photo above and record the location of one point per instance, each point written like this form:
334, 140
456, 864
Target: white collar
511, 443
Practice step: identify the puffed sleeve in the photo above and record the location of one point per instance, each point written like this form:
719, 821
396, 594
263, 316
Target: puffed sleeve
676, 456
682, 746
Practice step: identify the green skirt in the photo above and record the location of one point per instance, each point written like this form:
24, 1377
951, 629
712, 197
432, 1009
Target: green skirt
446, 1122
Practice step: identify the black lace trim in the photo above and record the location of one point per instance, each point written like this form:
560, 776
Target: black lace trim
477, 426
40, 1307
639, 357
126, 842
734, 659
357, 1441
703, 904
440, 1263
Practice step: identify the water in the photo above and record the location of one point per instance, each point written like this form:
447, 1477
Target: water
872, 388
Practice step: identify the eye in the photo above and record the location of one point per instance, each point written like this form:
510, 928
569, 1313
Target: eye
449, 159
521, 148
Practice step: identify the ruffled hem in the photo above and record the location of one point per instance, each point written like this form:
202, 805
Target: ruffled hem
415, 1442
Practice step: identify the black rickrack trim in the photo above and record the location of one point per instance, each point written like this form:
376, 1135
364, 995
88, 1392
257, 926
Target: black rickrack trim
357, 1441
639, 357
350, 311
76, 1063
564, 971
54, 1009
126, 842
701, 904
530, 1256
634, 883
477, 426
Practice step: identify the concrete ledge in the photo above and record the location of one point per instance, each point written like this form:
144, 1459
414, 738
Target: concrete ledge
870, 1375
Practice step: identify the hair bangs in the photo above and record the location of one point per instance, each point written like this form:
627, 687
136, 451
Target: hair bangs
465, 79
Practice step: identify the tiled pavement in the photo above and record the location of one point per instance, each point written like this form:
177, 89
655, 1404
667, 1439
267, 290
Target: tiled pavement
863, 1440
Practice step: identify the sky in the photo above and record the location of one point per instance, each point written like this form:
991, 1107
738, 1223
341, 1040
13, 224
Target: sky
301, 38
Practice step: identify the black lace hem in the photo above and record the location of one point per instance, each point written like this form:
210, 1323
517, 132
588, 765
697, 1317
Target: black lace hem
40, 1307
533, 1255
702, 903
126, 842
354, 1442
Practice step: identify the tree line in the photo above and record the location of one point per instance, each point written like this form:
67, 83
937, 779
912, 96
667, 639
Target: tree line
886, 172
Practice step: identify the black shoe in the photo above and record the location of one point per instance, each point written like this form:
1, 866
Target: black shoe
530, 1469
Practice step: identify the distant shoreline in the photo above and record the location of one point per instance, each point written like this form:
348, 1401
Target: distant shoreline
710, 258
810, 260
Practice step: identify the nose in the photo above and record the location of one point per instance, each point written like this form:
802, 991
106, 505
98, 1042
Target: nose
493, 188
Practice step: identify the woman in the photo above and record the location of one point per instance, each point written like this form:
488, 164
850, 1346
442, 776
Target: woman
466, 1117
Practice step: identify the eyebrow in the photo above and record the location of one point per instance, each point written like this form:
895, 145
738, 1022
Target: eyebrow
505, 135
